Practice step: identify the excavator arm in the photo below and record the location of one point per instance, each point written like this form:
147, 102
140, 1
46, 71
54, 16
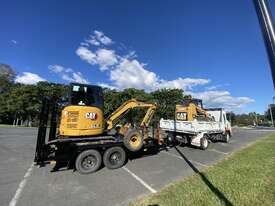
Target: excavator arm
125, 107
200, 111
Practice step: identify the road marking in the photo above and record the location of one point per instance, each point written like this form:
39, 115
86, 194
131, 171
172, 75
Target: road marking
140, 180
179, 157
218, 151
21, 187
223, 144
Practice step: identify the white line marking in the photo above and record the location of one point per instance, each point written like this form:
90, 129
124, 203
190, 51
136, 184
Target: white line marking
21, 187
179, 157
218, 151
224, 144
140, 180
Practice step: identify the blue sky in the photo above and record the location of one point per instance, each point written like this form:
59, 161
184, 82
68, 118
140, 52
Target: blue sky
213, 49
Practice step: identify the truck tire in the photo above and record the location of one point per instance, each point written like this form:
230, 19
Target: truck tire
114, 157
88, 161
204, 143
133, 141
226, 137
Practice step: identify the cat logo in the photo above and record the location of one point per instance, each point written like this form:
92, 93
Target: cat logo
182, 116
90, 115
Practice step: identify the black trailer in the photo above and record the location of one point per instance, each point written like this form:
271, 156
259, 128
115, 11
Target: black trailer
85, 154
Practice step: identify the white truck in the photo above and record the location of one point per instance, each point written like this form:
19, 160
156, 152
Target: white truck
199, 133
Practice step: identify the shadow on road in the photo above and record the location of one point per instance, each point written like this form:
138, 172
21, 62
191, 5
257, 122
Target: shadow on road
215, 190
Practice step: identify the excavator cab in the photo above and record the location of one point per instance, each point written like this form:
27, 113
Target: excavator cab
83, 94
84, 114
187, 102
190, 109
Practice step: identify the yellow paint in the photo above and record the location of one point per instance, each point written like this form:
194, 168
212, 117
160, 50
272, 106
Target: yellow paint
130, 104
189, 113
77, 121
81, 121
135, 141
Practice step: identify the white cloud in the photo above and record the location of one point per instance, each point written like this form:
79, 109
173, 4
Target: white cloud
106, 58
100, 36
14, 41
28, 78
93, 41
222, 98
182, 83
68, 74
125, 71
56, 68
211, 88
84, 44
102, 57
130, 55
104, 85
86, 55
78, 77
130, 73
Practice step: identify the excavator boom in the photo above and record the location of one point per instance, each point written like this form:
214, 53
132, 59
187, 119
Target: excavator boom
126, 106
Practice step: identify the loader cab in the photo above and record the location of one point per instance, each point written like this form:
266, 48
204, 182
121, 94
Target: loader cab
84, 114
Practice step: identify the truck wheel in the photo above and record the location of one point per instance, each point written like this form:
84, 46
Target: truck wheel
114, 157
133, 141
204, 143
226, 137
88, 161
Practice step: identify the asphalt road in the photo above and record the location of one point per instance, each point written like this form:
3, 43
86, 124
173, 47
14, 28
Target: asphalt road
23, 184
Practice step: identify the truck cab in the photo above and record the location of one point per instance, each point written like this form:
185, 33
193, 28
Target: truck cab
219, 115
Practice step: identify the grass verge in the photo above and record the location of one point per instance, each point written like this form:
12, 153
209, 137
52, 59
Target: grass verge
245, 178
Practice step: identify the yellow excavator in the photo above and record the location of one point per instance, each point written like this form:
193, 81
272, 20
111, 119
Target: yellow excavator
190, 109
84, 116
80, 132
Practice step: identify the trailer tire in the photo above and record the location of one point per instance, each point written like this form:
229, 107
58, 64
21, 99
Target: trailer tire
204, 143
114, 157
88, 161
133, 141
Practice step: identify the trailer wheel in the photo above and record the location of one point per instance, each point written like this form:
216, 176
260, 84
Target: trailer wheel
88, 161
226, 137
133, 141
114, 157
204, 143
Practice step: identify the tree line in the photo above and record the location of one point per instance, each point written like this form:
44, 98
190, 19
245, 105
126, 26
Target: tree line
20, 104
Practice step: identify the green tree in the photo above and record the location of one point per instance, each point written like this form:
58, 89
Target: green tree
166, 100
113, 99
7, 75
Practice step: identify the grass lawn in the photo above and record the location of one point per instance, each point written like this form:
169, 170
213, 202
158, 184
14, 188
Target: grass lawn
245, 178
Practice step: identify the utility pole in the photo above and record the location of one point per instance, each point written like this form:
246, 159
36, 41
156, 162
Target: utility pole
268, 31
271, 115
